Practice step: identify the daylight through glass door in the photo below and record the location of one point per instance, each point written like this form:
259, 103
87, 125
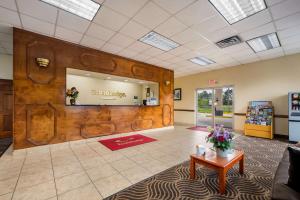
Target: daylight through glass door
214, 107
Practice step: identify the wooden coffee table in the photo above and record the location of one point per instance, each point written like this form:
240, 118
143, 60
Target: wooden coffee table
222, 165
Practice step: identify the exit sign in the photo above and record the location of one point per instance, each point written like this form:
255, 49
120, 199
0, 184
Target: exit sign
212, 82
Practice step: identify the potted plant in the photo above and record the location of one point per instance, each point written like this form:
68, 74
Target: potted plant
73, 94
221, 139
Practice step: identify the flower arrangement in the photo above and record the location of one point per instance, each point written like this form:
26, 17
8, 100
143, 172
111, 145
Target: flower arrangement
220, 137
73, 94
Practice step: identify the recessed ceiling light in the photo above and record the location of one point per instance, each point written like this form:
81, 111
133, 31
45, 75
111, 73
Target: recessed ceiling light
84, 8
154, 39
108, 77
141, 82
200, 60
126, 80
264, 42
235, 10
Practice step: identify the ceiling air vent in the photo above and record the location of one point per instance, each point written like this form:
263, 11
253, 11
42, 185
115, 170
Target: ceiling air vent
229, 42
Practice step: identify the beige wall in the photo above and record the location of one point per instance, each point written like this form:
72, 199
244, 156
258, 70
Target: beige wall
265, 80
6, 67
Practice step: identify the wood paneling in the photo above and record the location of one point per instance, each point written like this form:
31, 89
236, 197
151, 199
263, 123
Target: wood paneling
40, 123
6, 108
40, 114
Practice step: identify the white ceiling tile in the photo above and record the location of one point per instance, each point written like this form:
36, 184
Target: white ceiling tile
126, 7
99, 32
165, 56
273, 53
289, 32
128, 53
111, 48
174, 5
38, 26
9, 17
238, 48
197, 44
176, 59
273, 2
190, 54
187, 36
92, 42
221, 34
121, 40
99, 1
253, 21
288, 22
196, 13
73, 22
292, 51
134, 30
262, 30
110, 19
8, 4
290, 40
153, 51
141, 57
285, 8
170, 27
179, 50
139, 46
210, 25
292, 46
67, 35
151, 15
38, 9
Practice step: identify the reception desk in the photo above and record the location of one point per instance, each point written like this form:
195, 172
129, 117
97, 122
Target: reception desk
41, 114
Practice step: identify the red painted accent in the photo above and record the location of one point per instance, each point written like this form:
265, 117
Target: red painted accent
125, 142
199, 128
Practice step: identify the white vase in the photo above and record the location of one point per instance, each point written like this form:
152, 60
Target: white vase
224, 153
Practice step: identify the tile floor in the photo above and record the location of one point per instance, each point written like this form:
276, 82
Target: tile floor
86, 169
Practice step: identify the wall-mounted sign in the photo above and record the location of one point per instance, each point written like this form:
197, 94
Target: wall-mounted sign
108, 93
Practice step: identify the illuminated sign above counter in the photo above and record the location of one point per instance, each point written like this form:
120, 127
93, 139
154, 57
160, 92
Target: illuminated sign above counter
105, 89
108, 93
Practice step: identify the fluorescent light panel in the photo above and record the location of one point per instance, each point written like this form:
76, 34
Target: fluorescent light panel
84, 8
200, 60
236, 10
159, 41
264, 42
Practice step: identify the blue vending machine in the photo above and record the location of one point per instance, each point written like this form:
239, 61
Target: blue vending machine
294, 116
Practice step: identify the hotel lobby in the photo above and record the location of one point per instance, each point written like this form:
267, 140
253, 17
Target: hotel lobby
149, 99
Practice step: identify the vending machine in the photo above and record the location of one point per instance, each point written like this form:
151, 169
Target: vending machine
294, 116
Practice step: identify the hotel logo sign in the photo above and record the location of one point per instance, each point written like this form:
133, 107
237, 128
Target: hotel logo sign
109, 93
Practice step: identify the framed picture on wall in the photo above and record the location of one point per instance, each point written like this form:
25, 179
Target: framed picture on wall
177, 94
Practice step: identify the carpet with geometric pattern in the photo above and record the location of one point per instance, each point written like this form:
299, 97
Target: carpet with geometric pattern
262, 157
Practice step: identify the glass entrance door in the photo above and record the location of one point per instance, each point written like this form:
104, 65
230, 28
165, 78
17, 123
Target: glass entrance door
204, 109
215, 107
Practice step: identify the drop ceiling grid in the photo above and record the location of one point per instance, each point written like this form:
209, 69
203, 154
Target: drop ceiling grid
173, 13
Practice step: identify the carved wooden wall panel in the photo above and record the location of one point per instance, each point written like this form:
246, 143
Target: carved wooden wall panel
39, 49
167, 115
141, 124
98, 129
41, 124
140, 71
40, 113
98, 62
